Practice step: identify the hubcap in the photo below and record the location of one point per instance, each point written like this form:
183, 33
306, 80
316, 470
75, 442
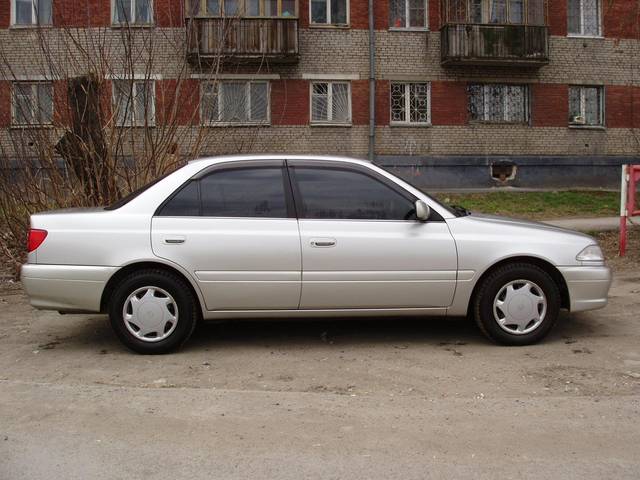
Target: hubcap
520, 307
150, 314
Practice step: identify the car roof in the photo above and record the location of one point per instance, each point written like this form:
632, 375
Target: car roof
239, 158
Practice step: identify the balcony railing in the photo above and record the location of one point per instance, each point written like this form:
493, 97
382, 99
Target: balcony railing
245, 40
503, 45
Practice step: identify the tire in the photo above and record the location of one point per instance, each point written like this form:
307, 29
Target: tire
522, 315
165, 315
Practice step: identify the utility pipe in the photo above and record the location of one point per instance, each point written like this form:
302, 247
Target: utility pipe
372, 83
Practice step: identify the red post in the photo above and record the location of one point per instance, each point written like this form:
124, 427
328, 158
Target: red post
630, 178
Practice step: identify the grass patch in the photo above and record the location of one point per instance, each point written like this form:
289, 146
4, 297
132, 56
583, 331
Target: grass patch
538, 205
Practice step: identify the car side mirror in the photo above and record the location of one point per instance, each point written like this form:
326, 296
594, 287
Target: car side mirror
423, 212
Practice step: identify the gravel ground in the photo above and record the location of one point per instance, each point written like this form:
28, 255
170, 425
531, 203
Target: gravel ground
386, 398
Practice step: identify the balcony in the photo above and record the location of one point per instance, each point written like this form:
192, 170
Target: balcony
495, 32
243, 40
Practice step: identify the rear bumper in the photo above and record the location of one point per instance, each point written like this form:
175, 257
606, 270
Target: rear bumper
65, 287
588, 286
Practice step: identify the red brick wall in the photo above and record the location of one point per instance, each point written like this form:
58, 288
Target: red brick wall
434, 15
382, 102
558, 17
621, 18
82, 13
381, 14
622, 106
61, 112
549, 105
359, 14
169, 13
449, 103
5, 103
183, 95
5, 14
360, 102
289, 102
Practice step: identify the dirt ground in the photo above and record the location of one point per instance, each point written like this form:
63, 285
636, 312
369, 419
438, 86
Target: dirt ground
357, 399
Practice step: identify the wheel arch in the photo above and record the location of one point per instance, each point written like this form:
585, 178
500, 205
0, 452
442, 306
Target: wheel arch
147, 264
548, 267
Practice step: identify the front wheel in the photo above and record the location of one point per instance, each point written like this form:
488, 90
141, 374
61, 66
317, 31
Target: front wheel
517, 304
153, 312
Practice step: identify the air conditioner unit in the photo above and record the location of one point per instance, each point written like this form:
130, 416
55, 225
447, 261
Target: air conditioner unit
578, 120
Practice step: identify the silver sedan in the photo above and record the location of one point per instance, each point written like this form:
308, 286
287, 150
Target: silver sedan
302, 236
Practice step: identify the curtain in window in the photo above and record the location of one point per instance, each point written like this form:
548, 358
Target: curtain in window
233, 102
340, 103
320, 102
498, 13
397, 14
339, 11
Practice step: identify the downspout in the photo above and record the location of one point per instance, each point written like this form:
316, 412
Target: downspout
372, 83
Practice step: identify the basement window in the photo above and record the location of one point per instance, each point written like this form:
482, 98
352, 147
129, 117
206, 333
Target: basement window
495, 103
32, 103
584, 18
331, 103
410, 103
586, 106
31, 12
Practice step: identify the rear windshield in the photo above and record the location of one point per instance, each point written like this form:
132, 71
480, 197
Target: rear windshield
124, 200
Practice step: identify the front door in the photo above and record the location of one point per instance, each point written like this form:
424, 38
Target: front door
235, 231
362, 246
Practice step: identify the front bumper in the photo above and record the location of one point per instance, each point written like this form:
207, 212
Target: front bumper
588, 286
65, 287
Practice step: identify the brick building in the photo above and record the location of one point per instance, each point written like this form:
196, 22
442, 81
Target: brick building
467, 92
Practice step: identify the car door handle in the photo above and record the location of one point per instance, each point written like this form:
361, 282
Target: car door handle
174, 240
323, 242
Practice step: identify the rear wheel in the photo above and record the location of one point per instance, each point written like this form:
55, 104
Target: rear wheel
153, 311
517, 304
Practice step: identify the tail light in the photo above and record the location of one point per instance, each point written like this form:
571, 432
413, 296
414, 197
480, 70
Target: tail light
35, 239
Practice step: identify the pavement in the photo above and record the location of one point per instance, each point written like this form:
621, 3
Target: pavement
599, 224
358, 399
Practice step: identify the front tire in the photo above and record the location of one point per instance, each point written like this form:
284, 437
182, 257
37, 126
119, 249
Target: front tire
517, 304
153, 312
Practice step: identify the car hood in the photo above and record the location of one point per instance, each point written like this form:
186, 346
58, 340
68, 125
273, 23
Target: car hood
499, 221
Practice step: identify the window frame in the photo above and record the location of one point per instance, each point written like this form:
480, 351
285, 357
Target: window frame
237, 165
203, 13
128, 123
407, 11
133, 22
329, 23
407, 105
581, 34
221, 123
601, 100
330, 121
34, 84
323, 165
34, 16
503, 121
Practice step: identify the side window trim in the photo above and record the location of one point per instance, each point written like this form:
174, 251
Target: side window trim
318, 164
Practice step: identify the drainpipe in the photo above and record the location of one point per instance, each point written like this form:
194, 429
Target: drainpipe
372, 83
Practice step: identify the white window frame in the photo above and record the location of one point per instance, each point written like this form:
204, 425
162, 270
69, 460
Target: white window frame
151, 119
407, 105
329, 22
407, 10
582, 22
506, 107
583, 105
133, 22
34, 16
222, 123
330, 121
34, 85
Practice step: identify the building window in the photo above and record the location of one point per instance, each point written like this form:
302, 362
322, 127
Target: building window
31, 12
32, 103
132, 12
494, 103
586, 106
242, 103
331, 102
584, 18
410, 103
134, 102
408, 14
329, 12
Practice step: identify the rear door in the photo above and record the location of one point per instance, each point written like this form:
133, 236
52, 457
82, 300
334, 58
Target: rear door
362, 246
234, 229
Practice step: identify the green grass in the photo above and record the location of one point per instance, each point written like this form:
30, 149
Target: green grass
538, 205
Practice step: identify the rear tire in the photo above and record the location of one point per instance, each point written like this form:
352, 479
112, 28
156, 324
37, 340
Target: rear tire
517, 304
153, 311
